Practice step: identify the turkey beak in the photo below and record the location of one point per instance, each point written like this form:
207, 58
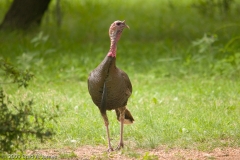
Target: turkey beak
126, 25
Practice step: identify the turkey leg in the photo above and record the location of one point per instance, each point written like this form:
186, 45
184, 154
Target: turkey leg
122, 117
108, 135
104, 115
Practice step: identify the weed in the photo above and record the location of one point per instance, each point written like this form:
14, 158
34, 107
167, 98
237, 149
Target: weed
67, 155
148, 156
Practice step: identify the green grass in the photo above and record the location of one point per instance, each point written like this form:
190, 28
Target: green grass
182, 96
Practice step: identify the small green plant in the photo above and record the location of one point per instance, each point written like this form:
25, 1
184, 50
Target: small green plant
67, 155
22, 78
205, 43
133, 154
228, 66
148, 156
40, 39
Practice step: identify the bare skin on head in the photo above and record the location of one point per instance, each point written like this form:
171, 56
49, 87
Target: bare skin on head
115, 32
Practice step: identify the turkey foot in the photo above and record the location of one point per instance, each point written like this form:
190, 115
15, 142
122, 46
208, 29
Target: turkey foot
120, 145
110, 149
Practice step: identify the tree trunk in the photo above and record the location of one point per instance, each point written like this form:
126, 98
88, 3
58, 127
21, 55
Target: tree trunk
24, 14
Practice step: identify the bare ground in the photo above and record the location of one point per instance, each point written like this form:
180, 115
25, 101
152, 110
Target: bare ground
99, 152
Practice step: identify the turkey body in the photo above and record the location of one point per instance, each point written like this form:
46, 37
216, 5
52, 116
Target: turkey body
117, 85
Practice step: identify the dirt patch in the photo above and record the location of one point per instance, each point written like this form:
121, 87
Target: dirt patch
99, 152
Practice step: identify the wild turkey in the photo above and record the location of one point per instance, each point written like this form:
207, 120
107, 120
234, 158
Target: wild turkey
110, 87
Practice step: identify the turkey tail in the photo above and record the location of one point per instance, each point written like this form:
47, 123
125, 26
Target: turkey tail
128, 116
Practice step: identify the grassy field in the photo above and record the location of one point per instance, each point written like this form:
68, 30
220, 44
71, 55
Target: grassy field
184, 67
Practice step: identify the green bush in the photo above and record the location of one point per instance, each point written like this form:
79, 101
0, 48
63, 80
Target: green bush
19, 122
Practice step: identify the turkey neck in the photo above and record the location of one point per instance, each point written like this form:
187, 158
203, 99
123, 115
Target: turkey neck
113, 47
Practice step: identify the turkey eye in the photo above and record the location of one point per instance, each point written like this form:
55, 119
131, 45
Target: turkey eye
118, 23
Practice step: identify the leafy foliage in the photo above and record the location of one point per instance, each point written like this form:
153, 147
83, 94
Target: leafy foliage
20, 123
205, 44
228, 66
20, 77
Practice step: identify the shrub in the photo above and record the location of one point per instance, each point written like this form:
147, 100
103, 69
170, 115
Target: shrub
19, 122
